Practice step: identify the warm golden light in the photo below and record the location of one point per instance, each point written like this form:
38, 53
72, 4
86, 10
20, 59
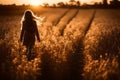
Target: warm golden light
38, 2
86, 1
35, 2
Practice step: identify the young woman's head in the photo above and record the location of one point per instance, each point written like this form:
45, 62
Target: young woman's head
28, 16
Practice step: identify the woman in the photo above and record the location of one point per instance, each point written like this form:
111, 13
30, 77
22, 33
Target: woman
29, 31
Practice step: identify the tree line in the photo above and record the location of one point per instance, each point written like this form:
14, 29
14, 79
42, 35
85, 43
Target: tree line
74, 4
77, 3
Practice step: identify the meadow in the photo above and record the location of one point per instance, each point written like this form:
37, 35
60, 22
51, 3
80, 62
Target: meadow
76, 44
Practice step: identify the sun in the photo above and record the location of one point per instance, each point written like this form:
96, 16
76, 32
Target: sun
35, 2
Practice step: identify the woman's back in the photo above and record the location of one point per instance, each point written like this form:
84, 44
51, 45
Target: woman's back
29, 26
29, 31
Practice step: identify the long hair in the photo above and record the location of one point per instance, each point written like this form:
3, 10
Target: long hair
28, 16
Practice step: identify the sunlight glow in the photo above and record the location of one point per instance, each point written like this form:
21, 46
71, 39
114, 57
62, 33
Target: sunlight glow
40, 2
35, 2
87, 1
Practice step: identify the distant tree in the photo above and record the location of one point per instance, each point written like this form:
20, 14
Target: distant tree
105, 2
115, 3
46, 4
96, 3
78, 3
72, 2
54, 5
61, 4
13, 4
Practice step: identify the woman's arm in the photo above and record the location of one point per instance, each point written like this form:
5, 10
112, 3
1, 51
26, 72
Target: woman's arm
22, 32
36, 32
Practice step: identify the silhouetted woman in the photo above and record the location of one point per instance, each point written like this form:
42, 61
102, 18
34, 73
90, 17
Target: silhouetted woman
29, 31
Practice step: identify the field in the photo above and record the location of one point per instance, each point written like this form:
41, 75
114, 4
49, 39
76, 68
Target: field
76, 44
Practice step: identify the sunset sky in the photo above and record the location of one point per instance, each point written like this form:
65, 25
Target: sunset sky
19, 2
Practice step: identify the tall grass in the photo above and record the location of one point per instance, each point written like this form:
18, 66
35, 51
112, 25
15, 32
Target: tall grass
73, 56
101, 47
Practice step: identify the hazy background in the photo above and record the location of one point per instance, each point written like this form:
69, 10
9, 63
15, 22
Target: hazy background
19, 2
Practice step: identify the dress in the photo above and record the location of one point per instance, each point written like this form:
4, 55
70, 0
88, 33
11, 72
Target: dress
28, 33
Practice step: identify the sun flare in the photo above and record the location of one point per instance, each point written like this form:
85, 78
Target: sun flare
35, 2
